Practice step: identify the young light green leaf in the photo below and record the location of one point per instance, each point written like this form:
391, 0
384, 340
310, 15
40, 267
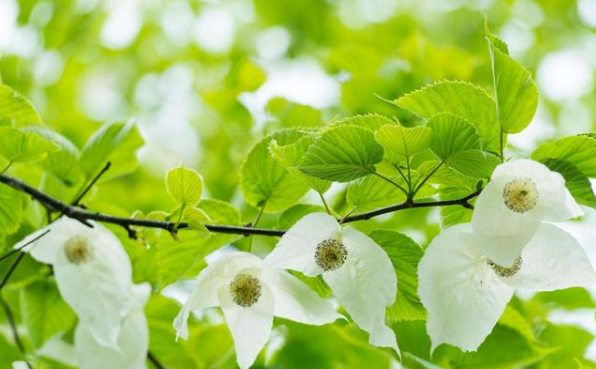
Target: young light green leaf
372, 192
16, 110
184, 185
290, 156
197, 219
405, 254
468, 101
452, 134
17, 146
515, 91
372, 122
577, 150
116, 143
264, 181
403, 141
343, 154
44, 311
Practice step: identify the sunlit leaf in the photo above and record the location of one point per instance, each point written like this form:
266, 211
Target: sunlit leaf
18, 146
184, 185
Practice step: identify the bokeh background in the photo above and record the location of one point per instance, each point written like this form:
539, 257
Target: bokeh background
205, 80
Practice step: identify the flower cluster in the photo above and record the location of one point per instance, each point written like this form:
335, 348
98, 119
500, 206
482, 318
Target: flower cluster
469, 272
251, 291
94, 277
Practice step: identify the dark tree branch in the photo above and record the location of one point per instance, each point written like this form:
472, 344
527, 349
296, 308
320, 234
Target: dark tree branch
84, 215
464, 201
154, 361
91, 184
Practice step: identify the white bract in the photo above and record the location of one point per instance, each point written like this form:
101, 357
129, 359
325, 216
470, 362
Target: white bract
93, 273
250, 295
132, 343
465, 292
520, 195
358, 270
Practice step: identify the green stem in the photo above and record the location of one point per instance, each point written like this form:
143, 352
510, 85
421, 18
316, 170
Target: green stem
325, 203
502, 136
392, 182
419, 186
180, 216
6, 167
408, 182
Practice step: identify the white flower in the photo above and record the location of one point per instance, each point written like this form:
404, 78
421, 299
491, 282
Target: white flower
132, 344
93, 273
520, 195
250, 296
358, 270
465, 293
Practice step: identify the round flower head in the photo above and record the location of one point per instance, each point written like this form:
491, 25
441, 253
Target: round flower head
465, 293
250, 296
92, 270
520, 195
132, 343
358, 270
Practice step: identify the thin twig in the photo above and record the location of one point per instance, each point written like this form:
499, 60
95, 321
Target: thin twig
11, 270
91, 184
154, 360
12, 252
84, 215
15, 332
464, 201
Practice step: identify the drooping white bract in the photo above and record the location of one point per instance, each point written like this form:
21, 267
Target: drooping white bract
520, 195
358, 270
465, 293
250, 295
93, 273
132, 343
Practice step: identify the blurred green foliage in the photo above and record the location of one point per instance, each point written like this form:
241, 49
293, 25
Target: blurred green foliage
201, 79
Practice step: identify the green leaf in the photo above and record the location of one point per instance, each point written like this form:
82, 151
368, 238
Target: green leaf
184, 185
452, 215
568, 299
403, 141
577, 150
473, 163
343, 154
116, 143
64, 164
464, 99
513, 319
16, 110
495, 40
176, 259
24, 147
44, 312
372, 192
452, 134
297, 212
264, 181
197, 219
515, 91
576, 181
372, 122
290, 156
12, 205
405, 254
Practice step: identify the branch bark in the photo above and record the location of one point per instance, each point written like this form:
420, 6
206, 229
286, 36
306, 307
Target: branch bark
85, 216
